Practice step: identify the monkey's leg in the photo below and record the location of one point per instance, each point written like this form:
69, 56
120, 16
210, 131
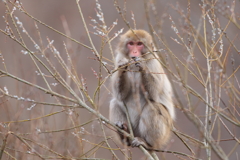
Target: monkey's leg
154, 126
118, 117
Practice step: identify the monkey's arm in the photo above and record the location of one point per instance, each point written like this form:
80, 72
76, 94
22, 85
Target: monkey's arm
121, 84
155, 82
152, 76
118, 117
116, 113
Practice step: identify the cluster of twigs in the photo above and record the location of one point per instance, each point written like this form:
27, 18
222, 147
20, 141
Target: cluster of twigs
50, 110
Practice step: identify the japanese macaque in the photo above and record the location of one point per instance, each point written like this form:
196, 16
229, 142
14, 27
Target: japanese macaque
141, 89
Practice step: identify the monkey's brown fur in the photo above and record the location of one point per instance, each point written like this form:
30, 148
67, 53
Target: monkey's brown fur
141, 84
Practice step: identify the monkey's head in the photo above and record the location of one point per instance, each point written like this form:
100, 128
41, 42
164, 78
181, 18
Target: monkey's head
136, 43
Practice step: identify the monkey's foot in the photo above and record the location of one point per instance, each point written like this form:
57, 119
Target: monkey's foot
137, 142
122, 125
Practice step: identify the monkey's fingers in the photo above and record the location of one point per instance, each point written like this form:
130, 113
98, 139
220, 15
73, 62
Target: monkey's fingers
123, 66
140, 66
136, 59
137, 65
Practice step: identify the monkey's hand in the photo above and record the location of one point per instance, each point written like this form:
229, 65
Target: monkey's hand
123, 64
138, 64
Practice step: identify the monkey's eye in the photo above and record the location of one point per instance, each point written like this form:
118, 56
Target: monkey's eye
139, 43
131, 43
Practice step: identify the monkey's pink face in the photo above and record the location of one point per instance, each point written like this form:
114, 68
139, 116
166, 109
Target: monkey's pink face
135, 48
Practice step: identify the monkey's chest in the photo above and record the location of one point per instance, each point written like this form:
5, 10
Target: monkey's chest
135, 78
136, 90
136, 96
